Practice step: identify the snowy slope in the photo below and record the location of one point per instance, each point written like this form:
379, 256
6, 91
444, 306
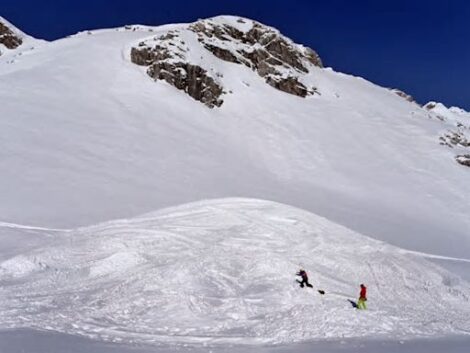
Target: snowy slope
457, 133
222, 271
87, 136
453, 114
28, 43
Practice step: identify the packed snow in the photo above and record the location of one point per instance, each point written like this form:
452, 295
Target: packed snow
223, 272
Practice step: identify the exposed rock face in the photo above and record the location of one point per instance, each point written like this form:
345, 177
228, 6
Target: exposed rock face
454, 138
404, 95
8, 38
167, 61
458, 140
279, 61
430, 105
223, 54
290, 85
261, 48
192, 79
457, 135
463, 159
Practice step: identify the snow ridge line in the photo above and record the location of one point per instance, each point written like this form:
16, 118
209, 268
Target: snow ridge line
20, 226
433, 256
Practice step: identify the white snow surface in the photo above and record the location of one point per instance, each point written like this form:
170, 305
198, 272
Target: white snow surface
86, 136
222, 272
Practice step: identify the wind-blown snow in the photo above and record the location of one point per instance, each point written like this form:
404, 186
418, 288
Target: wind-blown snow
223, 271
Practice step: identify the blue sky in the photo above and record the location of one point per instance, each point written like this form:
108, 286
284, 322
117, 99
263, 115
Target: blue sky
422, 47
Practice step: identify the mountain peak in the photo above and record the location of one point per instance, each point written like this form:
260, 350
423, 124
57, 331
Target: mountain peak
450, 113
432, 104
185, 57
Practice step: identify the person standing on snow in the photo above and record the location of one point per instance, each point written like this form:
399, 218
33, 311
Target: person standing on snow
361, 303
304, 277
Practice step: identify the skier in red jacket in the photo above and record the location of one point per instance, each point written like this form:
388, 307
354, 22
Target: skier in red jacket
304, 277
361, 303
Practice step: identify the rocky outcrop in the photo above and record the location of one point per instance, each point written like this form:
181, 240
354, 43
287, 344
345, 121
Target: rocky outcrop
261, 48
221, 53
456, 135
430, 105
146, 56
458, 140
454, 138
290, 85
8, 38
273, 57
463, 159
192, 79
166, 60
404, 95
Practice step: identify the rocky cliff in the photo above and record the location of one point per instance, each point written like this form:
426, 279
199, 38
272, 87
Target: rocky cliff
8, 38
275, 58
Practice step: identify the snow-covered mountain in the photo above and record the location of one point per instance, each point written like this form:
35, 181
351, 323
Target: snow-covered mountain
222, 272
114, 123
90, 131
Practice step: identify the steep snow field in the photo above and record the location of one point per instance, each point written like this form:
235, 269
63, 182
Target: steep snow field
222, 272
87, 136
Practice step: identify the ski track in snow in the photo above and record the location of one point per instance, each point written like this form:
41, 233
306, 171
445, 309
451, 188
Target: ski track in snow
19, 226
433, 256
222, 272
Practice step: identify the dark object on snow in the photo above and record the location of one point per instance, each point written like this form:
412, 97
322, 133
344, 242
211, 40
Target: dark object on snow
304, 277
321, 291
353, 303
